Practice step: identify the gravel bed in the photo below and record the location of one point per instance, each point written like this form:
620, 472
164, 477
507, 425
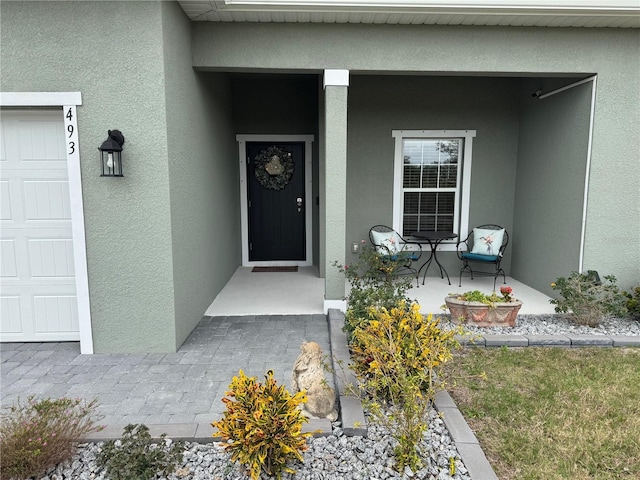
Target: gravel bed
332, 457
353, 458
560, 325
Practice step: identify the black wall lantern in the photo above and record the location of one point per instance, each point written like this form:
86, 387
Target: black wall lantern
111, 154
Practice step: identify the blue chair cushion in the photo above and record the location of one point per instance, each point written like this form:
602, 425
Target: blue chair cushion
476, 257
404, 255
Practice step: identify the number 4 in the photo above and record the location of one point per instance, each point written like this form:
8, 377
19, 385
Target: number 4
69, 115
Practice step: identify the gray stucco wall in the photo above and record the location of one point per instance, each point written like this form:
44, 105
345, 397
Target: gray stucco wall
203, 176
335, 187
411, 48
380, 104
552, 163
322, 179
612, 243
65, 46
613, 223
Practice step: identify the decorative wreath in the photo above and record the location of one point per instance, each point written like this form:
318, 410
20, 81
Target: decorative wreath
273, 168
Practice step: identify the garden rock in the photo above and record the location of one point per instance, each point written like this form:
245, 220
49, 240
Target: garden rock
327, 458
308, 375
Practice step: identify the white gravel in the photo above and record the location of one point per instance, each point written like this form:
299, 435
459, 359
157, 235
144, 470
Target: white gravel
561, 325
332, 457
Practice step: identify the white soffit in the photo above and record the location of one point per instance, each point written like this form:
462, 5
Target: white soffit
517, 13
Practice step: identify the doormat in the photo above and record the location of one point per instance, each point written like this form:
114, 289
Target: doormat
275, 269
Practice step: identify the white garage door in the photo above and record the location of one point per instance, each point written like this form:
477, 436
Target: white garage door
37, 277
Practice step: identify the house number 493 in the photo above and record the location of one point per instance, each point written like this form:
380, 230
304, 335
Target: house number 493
71, 127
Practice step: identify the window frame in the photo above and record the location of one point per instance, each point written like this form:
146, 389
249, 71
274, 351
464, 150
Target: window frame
461, 223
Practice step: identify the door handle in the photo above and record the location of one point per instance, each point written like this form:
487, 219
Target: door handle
299, 204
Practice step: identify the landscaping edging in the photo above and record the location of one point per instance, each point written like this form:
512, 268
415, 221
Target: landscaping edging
570, 340
464, 439
351, 412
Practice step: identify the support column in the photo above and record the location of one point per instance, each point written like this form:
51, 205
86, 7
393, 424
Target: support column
333, 178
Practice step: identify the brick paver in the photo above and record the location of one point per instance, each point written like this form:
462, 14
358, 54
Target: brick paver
185, 387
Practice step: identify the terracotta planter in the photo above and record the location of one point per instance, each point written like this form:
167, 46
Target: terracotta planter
481, 315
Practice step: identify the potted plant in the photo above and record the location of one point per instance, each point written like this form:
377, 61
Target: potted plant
477, 308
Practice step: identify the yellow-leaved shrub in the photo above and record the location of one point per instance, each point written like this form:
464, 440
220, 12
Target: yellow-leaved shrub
262, 425
402, 339
397, 355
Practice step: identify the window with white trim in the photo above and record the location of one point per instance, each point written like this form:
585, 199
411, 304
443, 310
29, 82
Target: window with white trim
432, 178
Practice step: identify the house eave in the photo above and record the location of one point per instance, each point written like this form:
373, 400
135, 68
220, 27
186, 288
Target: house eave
567, 13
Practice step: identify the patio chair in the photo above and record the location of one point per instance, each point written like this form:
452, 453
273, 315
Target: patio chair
485, 245
391, 246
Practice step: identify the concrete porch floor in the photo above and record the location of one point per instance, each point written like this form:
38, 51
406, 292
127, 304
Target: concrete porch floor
302, 292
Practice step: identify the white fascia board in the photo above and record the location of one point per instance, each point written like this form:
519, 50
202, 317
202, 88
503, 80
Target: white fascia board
40, 99
463, 6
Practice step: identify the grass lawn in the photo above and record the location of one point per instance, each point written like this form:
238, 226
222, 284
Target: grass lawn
552, 413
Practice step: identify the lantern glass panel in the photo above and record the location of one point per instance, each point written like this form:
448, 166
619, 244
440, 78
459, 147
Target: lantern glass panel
111, 164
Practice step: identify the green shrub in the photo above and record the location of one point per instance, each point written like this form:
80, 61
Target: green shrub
263, 425
632, 302
488, 299
39, 434
374, 284
397, 356
588, 299
136, 456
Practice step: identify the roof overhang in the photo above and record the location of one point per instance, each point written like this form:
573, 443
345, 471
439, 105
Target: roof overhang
539, 13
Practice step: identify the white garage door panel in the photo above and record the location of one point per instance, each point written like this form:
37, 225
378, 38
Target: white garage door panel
27, 260
8, 264
46, 200
51, 257
10, 315
38, 300
41, 140
5, 201
55, 314
55, 317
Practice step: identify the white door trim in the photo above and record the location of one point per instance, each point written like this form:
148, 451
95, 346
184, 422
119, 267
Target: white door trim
242, 163
67, 101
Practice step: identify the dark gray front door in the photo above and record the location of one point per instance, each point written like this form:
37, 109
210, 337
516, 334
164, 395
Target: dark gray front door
276, 217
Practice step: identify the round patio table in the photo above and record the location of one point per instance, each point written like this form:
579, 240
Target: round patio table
434, 239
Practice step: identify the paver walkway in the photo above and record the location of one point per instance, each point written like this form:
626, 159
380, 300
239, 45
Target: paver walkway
185, 387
